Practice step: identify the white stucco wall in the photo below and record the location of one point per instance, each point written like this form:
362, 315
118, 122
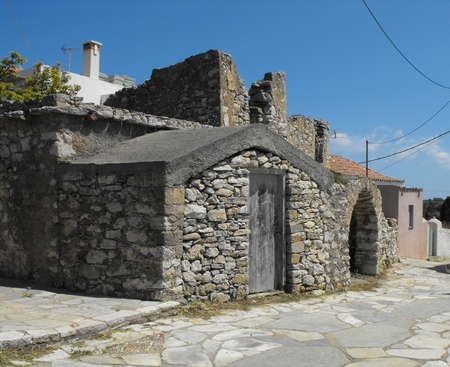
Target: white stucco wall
441, 236
92, 90
444, 243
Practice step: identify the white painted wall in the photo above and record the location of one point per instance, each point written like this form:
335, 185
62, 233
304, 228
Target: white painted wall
92, 90
444, 243
442, 238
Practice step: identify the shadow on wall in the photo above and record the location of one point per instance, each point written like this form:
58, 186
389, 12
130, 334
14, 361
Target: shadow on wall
363, 236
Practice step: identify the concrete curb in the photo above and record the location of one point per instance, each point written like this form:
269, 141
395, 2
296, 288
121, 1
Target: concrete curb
85, 327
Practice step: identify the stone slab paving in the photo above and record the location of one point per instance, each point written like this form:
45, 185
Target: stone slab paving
403, 323
35, 316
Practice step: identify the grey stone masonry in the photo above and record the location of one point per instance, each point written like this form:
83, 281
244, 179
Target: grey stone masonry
33, 141
308, 134
216, 230
95, 199
268, 101
205, 88
119, 233
268, 105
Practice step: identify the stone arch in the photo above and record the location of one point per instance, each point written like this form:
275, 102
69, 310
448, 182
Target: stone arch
366, 222
363, 235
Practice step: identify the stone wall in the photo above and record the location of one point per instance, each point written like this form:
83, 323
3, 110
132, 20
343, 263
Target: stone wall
216, 230
268, 105
308, 134
120, 233
32, 143
204, 88
268, 101
364, 201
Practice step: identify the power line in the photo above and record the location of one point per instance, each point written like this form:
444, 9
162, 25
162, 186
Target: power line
407, 149
415, 129
399, 160
391, 41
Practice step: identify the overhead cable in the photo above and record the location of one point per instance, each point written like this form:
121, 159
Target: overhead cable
407, 149
391, 41
413, 130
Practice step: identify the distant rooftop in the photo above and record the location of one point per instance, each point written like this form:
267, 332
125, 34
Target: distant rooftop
348, 167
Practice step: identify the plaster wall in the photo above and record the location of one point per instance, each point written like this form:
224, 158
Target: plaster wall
412, 241
390, 195
93, 90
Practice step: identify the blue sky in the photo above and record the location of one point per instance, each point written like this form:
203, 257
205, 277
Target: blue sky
339, 66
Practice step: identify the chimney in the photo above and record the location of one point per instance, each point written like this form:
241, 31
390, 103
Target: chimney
91, 59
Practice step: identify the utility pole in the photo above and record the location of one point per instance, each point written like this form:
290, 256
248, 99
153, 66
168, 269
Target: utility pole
367, 158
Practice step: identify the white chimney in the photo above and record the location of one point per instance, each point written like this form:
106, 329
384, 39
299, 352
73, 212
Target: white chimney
91, 59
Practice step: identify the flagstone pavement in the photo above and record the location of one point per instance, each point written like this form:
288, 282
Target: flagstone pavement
405, 323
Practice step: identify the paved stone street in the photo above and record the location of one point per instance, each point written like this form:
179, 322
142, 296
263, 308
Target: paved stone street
405, 323
34, 316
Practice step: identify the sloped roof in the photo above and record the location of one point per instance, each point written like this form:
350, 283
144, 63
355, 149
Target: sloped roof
348, 167
182, 154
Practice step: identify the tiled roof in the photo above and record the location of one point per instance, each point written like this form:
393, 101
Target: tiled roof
346, 166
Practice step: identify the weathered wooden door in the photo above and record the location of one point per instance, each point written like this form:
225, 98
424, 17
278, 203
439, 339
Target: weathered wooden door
267, 247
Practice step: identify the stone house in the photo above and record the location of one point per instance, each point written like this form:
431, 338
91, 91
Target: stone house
217, 197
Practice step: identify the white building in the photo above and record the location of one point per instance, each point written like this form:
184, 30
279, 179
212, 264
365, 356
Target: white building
95, 86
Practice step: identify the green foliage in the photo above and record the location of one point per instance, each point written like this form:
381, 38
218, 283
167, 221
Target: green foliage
445, 210
340, 179
432, 208
8, 76
45, 80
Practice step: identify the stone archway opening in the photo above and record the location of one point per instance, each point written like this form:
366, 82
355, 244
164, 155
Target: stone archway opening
363, 236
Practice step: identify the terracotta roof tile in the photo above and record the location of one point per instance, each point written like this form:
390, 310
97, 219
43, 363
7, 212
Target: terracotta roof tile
346, 166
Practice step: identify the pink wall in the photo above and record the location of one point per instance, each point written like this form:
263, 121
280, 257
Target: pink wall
412, 241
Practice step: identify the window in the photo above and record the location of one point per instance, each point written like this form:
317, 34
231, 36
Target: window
411, 216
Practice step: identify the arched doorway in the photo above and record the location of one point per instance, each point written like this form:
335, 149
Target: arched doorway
363, 235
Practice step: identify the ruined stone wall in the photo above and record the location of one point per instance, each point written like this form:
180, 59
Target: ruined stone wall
120, 233
308, 134
204, 88
268, 101
268, 105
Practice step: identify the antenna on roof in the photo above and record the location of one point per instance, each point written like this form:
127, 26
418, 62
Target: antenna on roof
68, 52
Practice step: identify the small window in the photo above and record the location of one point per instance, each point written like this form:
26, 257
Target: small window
411, 216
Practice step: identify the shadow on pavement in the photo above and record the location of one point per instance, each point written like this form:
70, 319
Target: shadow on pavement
444, 268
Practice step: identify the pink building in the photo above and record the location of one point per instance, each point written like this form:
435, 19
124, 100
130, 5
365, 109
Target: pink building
399, 202
406, 205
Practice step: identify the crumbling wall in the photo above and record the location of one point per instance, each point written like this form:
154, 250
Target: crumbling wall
268, 105
268, 102
204, 88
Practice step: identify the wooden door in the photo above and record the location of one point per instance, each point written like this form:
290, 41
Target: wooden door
266, 215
